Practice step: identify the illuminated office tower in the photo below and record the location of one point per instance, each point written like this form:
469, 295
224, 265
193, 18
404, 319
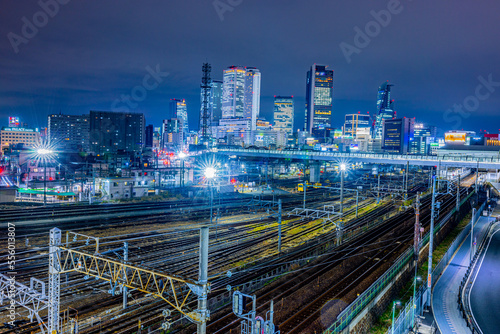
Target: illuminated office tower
397, 135
215, 104
233, 92
283, 114
319, 98
178, 109
252, 96
385, 109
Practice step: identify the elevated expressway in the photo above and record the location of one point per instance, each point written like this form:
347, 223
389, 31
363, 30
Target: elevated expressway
466, 161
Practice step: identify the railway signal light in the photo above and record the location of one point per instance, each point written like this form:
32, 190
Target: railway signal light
239, 303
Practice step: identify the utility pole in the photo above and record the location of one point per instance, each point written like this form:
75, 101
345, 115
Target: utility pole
279, 226
305, 186
54, 281
45, 182
477, 177
357, 202
125, 260
203, 280
378, 188
416, 247
431, 242
472, 234
342, 172
416, 234
406, 179
458, 194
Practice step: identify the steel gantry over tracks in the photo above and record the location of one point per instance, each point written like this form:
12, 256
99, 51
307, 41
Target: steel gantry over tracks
33, 297
393, 159
174, 290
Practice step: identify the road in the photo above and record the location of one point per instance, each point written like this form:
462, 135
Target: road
485, 292
445, 293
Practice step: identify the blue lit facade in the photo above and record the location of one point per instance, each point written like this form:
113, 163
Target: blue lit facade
385, 108
319, 98
397, 135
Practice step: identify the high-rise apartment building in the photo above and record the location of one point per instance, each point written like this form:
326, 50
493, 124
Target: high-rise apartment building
319, 97
284, 114
116, 131
69, 132
252, 96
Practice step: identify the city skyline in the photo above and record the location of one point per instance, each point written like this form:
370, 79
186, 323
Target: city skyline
42, 79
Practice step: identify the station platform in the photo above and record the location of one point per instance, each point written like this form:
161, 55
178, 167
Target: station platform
445, 293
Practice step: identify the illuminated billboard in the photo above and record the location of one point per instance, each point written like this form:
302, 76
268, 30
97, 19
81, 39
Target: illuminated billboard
457, 137
13, 122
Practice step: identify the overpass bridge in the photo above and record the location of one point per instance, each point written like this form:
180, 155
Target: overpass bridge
465, 161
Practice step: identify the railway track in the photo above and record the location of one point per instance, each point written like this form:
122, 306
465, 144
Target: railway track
310, 312
190, 267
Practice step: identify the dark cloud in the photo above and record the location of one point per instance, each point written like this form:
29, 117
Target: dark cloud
91, 52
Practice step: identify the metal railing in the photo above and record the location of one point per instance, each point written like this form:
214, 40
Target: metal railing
410, 313
357, 306
465, 286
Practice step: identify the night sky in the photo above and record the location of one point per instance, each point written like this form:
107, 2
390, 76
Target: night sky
89, 53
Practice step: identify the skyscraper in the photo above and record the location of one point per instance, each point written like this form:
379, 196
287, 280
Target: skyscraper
319, 97
178, 109
397, 135
385, 108
284, 114
252, 96
233, 92
216, 101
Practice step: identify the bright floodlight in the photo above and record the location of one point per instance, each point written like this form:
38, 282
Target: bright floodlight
210, 172
343, 167
43, 151
182, 155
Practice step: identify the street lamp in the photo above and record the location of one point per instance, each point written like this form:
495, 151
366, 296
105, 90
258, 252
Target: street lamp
394, 304
210, 173
416, 279
44, 154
